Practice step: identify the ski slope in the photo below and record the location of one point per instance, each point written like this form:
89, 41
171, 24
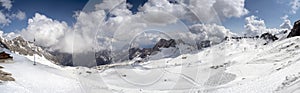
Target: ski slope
244, 66
37, 79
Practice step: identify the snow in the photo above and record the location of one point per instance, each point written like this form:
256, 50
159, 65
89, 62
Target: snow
37, 79
243, 66
42, 60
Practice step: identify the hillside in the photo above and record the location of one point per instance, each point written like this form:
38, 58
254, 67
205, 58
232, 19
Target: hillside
246, 65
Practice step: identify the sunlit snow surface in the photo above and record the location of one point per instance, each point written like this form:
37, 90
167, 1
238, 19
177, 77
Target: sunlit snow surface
244, 66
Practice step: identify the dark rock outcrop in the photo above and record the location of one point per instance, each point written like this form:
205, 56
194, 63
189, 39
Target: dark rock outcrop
163, 43
268, 36
103, 57
66, 59
144, 52
23, 47
203, 44
4, 76
296, 30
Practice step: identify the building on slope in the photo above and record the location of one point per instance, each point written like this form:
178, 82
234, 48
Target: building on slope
5, 57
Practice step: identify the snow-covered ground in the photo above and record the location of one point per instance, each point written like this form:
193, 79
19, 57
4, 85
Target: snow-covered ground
38, 79
244, 66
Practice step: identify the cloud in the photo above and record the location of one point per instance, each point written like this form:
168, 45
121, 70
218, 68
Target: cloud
6, 4
212, 32
93, 25
255, 26
208, 11
85, 30
9, 36
163, 6
286, 23
212, 10
108, 4
230, 8
46, 31
295, 4
6, 17
20, 15
3, 19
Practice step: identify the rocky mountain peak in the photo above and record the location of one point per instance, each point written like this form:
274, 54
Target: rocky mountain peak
163, 43
144, 52
21, 46
296, 30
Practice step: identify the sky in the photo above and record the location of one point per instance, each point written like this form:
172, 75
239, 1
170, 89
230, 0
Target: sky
62, 10
268, 10
56, 23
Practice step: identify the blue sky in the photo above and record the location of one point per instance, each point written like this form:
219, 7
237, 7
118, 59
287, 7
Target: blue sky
270, 11
63, 10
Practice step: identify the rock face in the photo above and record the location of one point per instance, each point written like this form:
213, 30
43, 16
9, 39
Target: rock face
23, 47
103, 57
66, 59
296, 30
163, 43
203, 44
144, 52
268, 36
137, 52
4, 76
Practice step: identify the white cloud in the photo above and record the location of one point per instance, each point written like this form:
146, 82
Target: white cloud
9, 36
230, 8
46, 31
85, 30
155, 13
6, 17
295, 4
108, 4
212, 32
3, 19
19, 15
163, 6
286, 23
6, 3
207, 11
255, 26
88, 23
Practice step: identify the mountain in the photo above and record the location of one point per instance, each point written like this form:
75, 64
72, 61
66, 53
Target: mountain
296, 30
260, 64
20, 46
233, 66
144, 52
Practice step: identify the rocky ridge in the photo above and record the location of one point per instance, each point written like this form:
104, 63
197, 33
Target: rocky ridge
295, 30
5, 76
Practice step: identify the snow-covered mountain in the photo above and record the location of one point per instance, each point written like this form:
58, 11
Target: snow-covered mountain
20, 46
237, 65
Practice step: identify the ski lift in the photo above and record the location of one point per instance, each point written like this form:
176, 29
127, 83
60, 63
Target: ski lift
34, 63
